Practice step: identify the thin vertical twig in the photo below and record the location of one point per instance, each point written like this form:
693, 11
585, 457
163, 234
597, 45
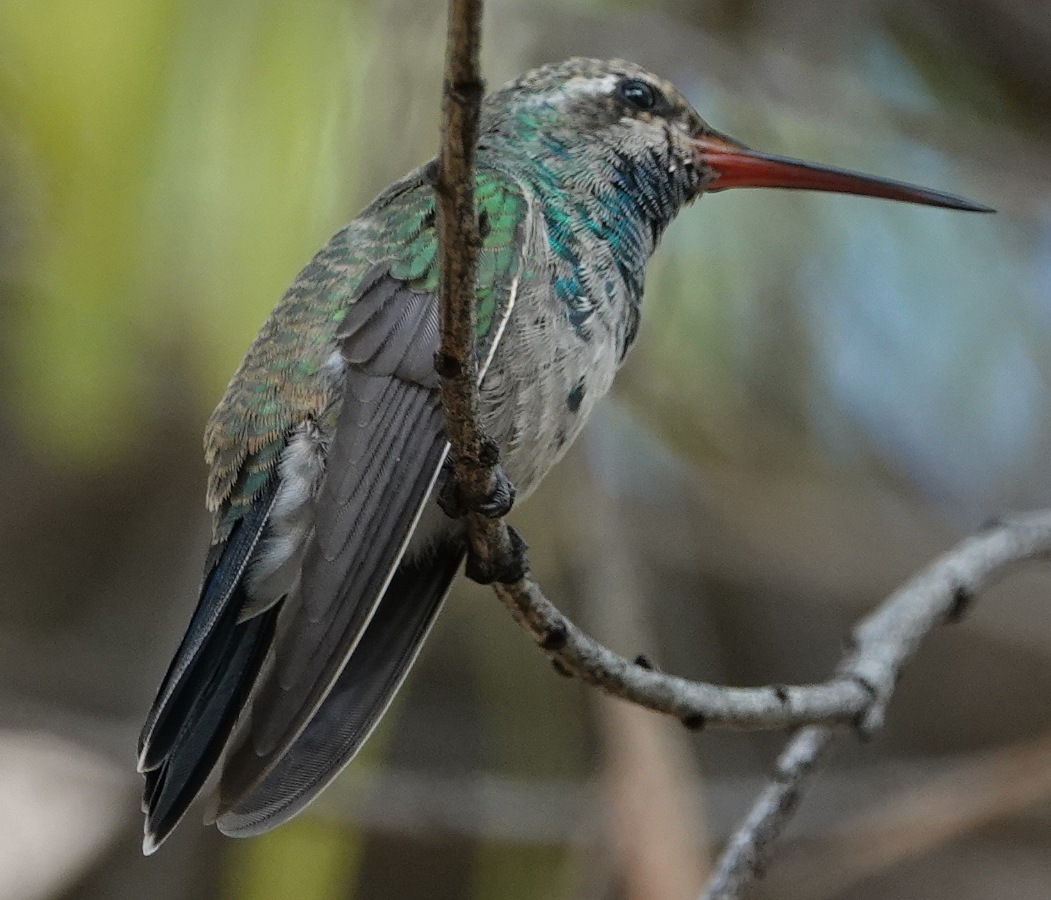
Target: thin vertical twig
475, 457
459, 243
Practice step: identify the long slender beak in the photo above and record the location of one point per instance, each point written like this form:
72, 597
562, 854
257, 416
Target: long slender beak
736, 165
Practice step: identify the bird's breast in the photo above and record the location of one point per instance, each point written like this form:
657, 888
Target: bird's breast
543, 381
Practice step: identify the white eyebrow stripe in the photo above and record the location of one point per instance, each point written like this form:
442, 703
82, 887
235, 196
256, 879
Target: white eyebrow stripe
602, 84
580, 84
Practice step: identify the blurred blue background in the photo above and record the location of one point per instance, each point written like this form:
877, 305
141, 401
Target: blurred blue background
826, 393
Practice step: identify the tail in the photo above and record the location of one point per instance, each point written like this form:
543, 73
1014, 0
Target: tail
207, 683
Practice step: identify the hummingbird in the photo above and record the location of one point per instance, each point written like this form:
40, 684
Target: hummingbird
331, 554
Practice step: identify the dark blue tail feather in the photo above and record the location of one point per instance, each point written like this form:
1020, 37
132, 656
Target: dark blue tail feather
172, 786
207, 682
204, 642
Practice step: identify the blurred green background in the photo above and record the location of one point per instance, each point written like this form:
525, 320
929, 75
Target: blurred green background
827, 392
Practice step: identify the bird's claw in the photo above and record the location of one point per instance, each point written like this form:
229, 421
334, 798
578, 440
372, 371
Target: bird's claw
496, 505
501, 498
509, 567
512, 563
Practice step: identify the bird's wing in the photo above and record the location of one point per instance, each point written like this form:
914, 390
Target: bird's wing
386, 445
354, 704
379, 473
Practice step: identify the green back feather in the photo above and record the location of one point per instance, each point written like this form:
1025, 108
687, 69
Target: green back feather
283, 380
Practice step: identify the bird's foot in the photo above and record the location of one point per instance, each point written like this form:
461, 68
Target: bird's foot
509, 567
511, 563
501, 498
495, 505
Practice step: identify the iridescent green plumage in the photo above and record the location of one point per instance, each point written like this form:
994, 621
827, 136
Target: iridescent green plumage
283, 379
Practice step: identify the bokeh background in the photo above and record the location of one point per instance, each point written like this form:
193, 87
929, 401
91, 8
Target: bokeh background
827, 392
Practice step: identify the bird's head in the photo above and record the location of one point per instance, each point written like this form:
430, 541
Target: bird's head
568, 106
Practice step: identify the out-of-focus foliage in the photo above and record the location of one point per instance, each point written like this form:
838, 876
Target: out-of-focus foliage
180, 162
311, 860
822, 389
862, 332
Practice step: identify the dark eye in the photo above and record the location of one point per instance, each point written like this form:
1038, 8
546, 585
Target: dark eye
638, 94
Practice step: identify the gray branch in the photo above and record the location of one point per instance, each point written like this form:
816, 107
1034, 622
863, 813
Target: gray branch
459, 241
744, 858
883, 642
695, 703
864, 682
474, 455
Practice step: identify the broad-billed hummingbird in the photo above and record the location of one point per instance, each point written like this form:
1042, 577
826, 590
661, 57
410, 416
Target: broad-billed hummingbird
330, 554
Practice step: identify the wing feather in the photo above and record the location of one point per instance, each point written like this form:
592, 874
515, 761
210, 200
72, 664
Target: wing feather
357, 700
383, 459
